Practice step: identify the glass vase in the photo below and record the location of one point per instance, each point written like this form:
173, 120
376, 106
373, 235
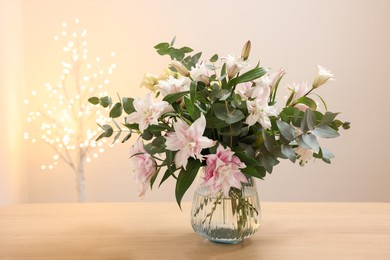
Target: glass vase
226, 218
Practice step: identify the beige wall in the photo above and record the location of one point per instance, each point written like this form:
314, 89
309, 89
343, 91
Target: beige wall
349, 37
12, 170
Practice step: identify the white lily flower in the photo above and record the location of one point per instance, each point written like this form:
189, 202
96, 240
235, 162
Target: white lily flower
259, 111
173, 85
322, 77
147, 112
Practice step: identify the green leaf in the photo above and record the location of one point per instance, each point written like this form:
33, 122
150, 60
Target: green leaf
288, 152
117, 137
193, 86
154, 177
325, 131
107, 132
132, 126
309, 120
105, 101
231, 130
223, 77
322, 100
163, 51
152, 150
168, 173
328, 118
257, 172
176, 54
93, 100
326, 154
128, 105
249, 161
290, 98
268, 162
186, 49
172, 98
308, 102
346, 125
157, 128
147, 135
163, 45
192, 109
196, 57
159, 141
286, 130
173, 41
229, 115
116, 111
214, 58
127, 137
311, 141
249, 76
269, 142
214, 122
185, 179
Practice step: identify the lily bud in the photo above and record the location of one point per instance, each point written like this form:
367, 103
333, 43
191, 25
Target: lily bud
180, 68
246, 50
149, 81
205, 79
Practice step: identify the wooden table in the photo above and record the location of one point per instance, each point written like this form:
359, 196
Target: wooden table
162, 231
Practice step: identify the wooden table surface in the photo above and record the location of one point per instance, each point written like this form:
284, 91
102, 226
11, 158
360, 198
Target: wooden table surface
162, 231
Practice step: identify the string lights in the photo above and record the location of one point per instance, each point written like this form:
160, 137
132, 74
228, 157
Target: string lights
61, 116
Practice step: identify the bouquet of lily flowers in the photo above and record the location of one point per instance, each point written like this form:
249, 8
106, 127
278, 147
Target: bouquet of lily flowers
220, 114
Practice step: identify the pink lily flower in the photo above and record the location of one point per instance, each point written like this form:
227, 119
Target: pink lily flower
223, 171
188, 141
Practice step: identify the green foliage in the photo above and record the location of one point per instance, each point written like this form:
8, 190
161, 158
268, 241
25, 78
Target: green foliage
185, 179
260, 146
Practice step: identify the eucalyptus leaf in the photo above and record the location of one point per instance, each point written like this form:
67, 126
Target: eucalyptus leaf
176, 54
186, 49
328, 118
288, 152
229, 115
325, 131
116, 110
309, 120
326, 153
117, 137
127, 137
268, 162
163, 51
269, 142
311, 141
196, 57
214, 58
93, 100
128, 105
162, 45
105, 101
108, 131
286, 130
147, 135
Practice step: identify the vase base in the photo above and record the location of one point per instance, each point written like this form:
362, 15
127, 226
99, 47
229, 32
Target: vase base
225, 241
